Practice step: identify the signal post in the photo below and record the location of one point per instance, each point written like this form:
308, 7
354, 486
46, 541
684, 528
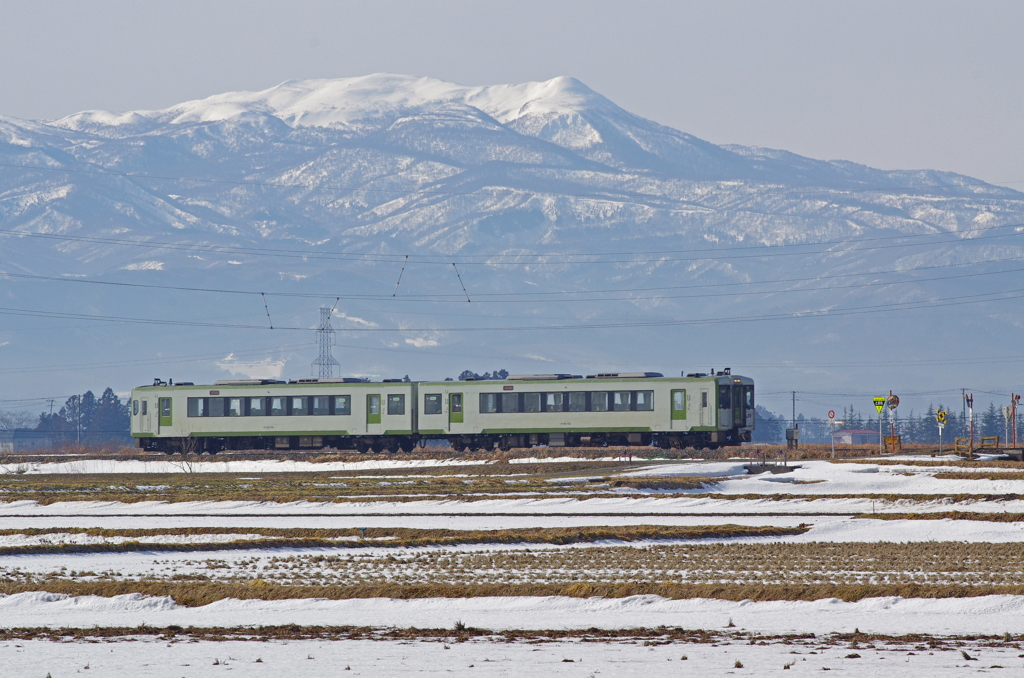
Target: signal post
879, 406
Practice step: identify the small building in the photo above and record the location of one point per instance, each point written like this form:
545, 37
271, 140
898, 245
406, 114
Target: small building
24, 440
853, 436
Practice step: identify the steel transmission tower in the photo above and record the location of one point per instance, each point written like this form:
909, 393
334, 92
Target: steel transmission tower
323, 366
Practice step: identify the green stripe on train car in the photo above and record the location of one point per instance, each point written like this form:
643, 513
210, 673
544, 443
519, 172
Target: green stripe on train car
580, 429
260, 434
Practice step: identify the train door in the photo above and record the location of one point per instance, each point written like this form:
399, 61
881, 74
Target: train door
454, 409
748, 406
679, 409
705, 408
164, 413
373, 413
145, 423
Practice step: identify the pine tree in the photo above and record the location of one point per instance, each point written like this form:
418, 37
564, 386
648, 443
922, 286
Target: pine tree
110, 420
992, 421
929, 427
768, 427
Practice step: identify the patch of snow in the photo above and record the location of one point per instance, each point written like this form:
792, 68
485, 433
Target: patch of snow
892, 615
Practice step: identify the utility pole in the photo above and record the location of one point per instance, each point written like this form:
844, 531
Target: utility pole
963, 400
323, 366
794, 409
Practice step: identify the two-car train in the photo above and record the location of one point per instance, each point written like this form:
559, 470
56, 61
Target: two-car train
695, 410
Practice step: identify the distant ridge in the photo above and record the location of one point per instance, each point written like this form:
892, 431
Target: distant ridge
393, 165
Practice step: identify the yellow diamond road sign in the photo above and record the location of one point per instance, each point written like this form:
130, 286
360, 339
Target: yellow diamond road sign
879, 403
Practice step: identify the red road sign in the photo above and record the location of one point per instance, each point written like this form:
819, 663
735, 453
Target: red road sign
831, 414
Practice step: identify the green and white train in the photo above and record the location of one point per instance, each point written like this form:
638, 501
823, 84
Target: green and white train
558, 410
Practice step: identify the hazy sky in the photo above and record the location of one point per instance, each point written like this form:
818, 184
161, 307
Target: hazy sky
893, 85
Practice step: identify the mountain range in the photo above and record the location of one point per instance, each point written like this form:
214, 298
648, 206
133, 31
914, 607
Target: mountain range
537, 227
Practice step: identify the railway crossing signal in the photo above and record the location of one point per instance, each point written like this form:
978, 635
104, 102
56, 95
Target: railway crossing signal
940, 417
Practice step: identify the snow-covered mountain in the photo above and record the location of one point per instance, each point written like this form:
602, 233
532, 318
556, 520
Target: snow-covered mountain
559, 208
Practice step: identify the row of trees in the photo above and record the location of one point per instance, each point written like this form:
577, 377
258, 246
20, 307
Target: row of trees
82, 417
486, 376
914, 428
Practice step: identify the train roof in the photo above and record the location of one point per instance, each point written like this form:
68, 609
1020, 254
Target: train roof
727, 372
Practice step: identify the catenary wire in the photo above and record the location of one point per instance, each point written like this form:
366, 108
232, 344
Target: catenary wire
857, 310
484, 298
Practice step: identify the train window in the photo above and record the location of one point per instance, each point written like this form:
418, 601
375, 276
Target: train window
165, 407
509, 402
553, 402
145, 406
277, 407
215, 407
396, 403
703, 399
748, 391
599, 401
257, 407
531, 401
488, 402
432, 403
234, 407
197, 407
373, 405
343, 404
725, 397
457, 403
321, 405
621, 400
578, 401
644, 400
135, 407
300, 406
678, 401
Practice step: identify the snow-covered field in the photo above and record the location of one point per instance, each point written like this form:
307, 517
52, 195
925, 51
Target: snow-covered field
821, 496
990, 615
172, 465
149, 657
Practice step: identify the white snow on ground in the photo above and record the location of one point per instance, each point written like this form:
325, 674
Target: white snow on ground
261, 562
447, 522
825, 478
892, 615
147, 657
671, 504
823, 529
177, 465
51, 538
80, 466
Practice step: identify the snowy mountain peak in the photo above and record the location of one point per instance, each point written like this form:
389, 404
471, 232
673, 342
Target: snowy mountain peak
353, 102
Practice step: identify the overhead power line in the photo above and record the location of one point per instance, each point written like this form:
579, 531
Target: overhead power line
808, 313
530, 297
